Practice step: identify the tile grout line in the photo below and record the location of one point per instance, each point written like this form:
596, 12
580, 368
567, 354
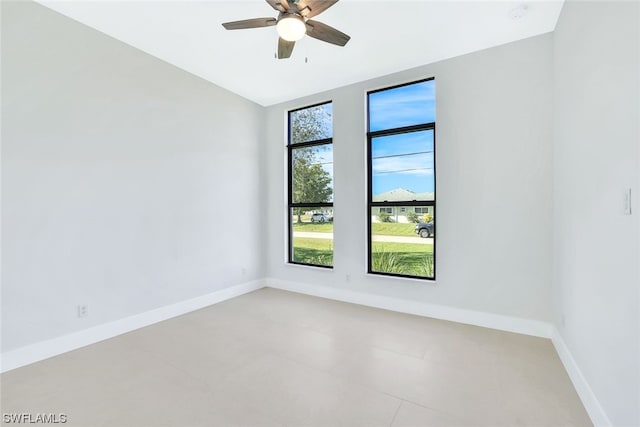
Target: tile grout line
429, 408
326, 334
402, 399
364, 385
352, 382
393, 420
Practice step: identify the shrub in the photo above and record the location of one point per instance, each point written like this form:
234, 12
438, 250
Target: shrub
320, 260
425, 269
413, 217
387, 262
384, 217
427, 217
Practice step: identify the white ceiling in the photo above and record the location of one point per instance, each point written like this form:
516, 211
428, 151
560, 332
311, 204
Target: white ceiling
386, 36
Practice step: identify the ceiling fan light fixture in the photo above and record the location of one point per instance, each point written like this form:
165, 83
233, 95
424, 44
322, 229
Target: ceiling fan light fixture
291, 27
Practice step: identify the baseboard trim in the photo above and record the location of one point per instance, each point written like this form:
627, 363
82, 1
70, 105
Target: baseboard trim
470, 317
591, 404
45, 349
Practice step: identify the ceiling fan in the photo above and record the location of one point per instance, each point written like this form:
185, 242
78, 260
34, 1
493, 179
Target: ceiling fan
294, 22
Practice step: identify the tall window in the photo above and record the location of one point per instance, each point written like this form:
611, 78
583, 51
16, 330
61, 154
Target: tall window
401, 180
311, 185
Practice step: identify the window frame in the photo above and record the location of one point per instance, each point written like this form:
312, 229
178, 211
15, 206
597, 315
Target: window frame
290, 203
415, 203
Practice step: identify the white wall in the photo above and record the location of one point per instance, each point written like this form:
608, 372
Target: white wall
596, 280
120, 174
493, 178
119, 171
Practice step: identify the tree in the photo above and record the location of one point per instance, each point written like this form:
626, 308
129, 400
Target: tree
310, 124
311, 182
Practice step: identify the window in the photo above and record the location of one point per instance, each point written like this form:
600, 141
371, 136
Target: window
310, 160
401, 180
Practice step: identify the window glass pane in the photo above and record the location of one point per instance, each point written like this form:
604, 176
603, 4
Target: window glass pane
311, 124
402, 242
312, 169
402, 167
312, 235
402, 106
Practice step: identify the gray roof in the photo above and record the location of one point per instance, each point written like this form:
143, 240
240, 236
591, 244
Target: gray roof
402, 195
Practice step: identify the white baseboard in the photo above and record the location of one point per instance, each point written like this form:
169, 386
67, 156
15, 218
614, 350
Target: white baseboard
45, 349
460, 315
591, 404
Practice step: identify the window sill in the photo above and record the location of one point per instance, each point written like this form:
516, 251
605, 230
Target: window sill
421, 280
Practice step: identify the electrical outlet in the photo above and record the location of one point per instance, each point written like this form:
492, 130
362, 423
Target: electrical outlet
244, 271
83, 310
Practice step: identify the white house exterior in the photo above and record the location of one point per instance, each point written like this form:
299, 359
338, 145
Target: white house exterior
399, 213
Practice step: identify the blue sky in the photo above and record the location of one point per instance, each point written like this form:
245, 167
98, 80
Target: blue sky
403, 161
398, 161
406, 160
403, 106
323, 154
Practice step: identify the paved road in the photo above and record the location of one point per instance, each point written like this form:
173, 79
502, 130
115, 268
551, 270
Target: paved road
378, 238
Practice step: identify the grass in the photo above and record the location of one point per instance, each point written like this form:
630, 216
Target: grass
388, 262
326, 227
403, 258
393, 229
379, 228
399, 258
409, 248
313, 251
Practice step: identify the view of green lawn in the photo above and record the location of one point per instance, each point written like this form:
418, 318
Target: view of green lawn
393, 229
389, 257
315, 227
403, 258
379, 228
313, 251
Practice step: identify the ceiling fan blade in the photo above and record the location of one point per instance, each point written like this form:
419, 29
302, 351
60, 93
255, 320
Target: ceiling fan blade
279, 5
284, 48
311, 8
328, 34
285, 4
250, 23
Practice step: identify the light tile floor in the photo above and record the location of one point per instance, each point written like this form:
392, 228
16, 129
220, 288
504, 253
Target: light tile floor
275, 358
